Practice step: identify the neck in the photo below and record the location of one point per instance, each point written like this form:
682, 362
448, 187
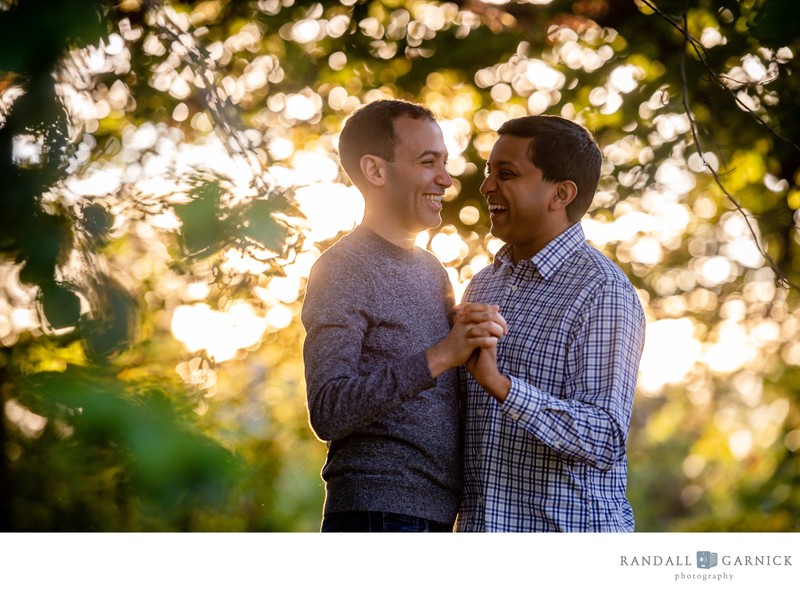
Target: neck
520, 252
390, 231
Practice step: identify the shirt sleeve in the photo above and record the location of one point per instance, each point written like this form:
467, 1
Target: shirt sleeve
337, 312
591, 423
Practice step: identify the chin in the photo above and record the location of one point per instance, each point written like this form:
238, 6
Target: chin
433, 222
497, 233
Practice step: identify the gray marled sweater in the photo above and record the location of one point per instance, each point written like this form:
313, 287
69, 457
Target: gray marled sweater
370, 312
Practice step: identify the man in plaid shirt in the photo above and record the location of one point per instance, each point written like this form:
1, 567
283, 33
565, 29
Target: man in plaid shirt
548, 410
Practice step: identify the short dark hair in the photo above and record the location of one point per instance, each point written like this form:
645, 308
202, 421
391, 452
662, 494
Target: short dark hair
370, 131
563, 150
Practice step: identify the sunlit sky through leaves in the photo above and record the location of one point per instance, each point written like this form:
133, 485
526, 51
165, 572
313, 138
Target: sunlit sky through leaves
292, 134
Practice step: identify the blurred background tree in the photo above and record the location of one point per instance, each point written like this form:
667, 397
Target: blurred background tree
169, 176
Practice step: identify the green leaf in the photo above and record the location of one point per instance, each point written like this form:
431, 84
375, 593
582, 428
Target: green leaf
203, 231
111, 326
258, 225
96, 222
34, 34
165, 457
777, 22
61, 307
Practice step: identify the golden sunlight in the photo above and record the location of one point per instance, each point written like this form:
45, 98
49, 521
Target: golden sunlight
670, 353
220, 334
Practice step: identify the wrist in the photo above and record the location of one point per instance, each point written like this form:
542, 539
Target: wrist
438, 361
499, 386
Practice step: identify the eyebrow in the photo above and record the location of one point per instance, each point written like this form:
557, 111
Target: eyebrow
502, 163
431, 152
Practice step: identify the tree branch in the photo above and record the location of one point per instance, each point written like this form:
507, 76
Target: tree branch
689, 41
700, 51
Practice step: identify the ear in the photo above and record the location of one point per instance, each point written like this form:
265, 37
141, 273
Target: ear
374, 170
566, 192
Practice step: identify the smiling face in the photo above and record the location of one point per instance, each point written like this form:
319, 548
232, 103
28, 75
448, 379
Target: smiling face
416, 178
526, 210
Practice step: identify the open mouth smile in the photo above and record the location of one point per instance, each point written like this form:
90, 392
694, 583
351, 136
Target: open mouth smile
495, 208
435, 200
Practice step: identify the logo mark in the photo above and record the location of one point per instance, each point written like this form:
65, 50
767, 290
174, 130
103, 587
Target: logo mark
706, 559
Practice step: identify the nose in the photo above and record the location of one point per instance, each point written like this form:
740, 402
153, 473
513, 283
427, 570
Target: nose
487, 186
444, 179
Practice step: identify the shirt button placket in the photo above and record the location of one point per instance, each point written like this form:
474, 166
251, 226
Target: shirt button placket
511, 287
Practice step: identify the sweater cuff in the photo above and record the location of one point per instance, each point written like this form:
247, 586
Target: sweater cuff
419, 373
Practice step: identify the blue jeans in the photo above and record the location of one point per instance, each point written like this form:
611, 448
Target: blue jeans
378, 521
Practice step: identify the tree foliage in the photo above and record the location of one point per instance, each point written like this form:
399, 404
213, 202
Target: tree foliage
169, 175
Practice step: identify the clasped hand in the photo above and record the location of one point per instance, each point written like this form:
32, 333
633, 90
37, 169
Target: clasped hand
475, 327
489, 327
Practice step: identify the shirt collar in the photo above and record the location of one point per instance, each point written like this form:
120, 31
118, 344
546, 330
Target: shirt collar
549, 259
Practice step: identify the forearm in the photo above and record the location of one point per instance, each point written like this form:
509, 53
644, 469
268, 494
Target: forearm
439, 359
339, 406
341, 401
573, 428
496, 385
482, 365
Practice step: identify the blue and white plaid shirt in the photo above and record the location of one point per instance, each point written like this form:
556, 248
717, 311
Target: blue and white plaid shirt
552, 456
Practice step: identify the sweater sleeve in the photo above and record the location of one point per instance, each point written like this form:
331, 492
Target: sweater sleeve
337, 312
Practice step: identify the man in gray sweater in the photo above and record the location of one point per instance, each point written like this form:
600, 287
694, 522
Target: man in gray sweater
383, 336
